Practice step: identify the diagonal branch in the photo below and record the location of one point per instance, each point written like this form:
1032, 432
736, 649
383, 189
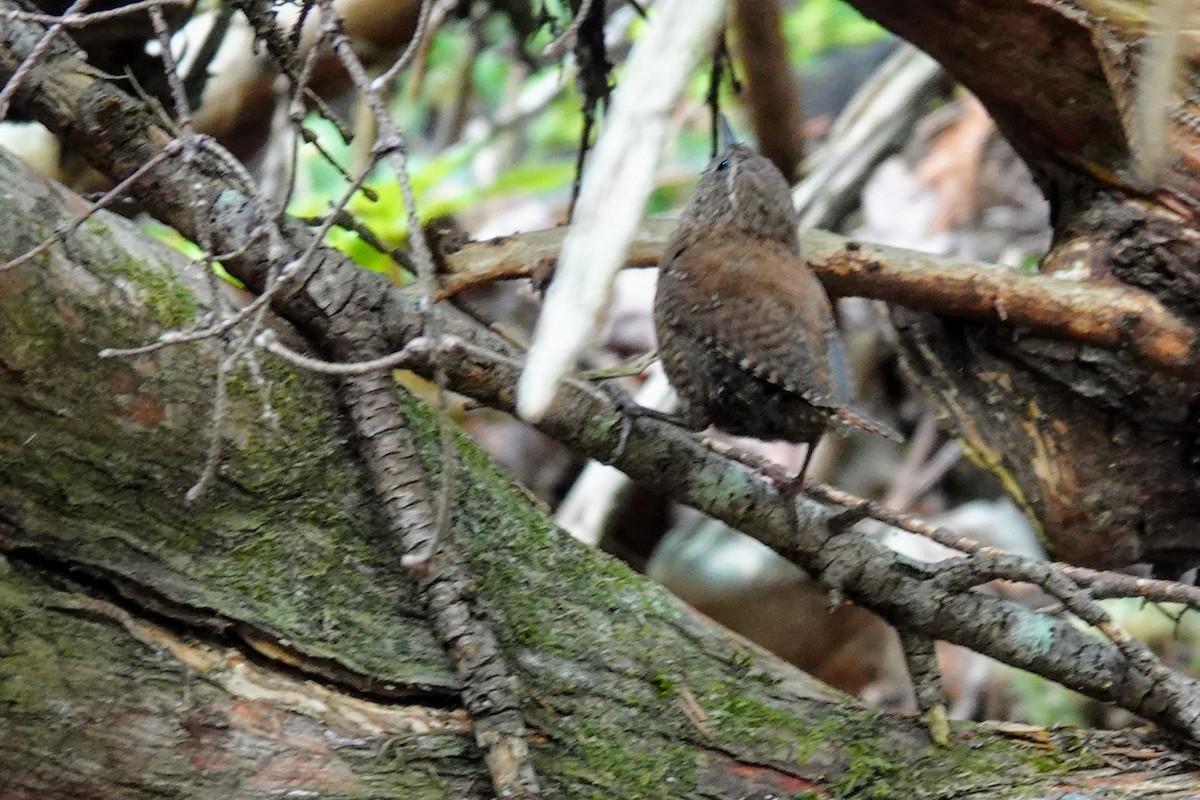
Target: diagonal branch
489, 691
206, 197
328, 294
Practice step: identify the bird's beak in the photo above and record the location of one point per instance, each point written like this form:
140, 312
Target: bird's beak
727, 135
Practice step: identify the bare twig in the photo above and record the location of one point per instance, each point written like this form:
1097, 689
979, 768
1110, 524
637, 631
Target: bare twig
81, 20
183, 111
566, 40
719, 66
1080, 311
109, 197
431, 15
220, 407
591, 81
31, 59
421, 346
1101, 583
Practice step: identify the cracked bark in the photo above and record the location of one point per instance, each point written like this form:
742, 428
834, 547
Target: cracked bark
554, 644
1096, 445
324, 298
264, 641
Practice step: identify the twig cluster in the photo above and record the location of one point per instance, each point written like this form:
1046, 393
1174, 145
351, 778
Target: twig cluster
420, 522
366, 328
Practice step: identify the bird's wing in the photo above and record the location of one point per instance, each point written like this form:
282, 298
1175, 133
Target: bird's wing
766, 311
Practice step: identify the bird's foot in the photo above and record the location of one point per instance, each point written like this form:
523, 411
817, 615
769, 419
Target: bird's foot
630, 410
794, 486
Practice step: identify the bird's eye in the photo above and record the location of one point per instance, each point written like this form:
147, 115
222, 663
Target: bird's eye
724, 165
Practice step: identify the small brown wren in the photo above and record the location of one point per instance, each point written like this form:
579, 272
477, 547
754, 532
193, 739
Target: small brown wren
745, 330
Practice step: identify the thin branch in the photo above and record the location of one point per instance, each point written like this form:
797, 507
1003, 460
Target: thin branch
1085, 312
672, 461
82, 20
591, 82
220, 407
109, 197
35, 55
269, 341
718, 65
1102, 583
566, 40
960, 574
432, 13
1155, 87
183, 110
1100, 314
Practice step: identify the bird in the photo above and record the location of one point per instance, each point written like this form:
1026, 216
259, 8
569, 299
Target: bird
746, 332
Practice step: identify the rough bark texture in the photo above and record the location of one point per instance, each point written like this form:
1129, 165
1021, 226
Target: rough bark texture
334, 304
1099, 446
261, 641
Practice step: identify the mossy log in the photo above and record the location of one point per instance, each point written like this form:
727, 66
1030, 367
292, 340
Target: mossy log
262, 640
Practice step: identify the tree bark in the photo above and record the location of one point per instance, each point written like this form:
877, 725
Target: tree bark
1099, 446
263, 639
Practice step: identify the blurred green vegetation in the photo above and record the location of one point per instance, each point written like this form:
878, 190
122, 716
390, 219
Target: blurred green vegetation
502, 156
814, 27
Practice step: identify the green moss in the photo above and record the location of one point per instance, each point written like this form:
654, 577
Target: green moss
832, 728
1071, 752
874, 770
666, 686
168, 299
519, 557
279, 493
870, 772
269, 460
595, 764
734, 715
